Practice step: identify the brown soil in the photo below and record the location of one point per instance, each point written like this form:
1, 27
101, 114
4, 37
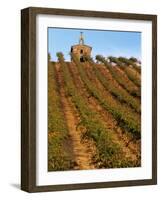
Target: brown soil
105, 93
123, 73
106, 73
132, 149
83, 150
137, 74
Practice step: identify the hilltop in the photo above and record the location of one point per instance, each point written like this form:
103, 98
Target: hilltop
94, 112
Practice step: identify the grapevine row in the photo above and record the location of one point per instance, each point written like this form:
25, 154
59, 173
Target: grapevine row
109, 154
58, 157
130, 62
129, 86
127, 120
133, 75
121, 94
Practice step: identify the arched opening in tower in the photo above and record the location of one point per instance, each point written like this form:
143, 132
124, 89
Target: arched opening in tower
81, 59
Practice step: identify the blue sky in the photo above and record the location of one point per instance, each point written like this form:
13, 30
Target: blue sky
106, 43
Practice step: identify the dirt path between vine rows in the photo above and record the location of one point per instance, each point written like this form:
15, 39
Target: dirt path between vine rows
132, 149
82, 149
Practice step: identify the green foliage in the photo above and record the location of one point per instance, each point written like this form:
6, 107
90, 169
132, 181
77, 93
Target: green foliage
133, 59
129, 86
122, 95
58, 157
117, 61
109, 154
60, 56
130, 62
128, 120
49, 57
131, 74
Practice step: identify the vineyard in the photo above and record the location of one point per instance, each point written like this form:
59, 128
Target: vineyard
94, 113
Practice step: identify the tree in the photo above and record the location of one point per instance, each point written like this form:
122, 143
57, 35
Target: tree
49, 57
133, 59
60, 56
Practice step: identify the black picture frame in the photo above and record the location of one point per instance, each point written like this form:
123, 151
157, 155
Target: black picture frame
28, 98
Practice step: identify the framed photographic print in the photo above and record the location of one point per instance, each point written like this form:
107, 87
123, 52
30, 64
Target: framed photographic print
89, 99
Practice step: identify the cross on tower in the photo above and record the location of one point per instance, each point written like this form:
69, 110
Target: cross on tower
81, 39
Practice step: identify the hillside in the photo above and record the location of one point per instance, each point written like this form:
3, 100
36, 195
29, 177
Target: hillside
94, 115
